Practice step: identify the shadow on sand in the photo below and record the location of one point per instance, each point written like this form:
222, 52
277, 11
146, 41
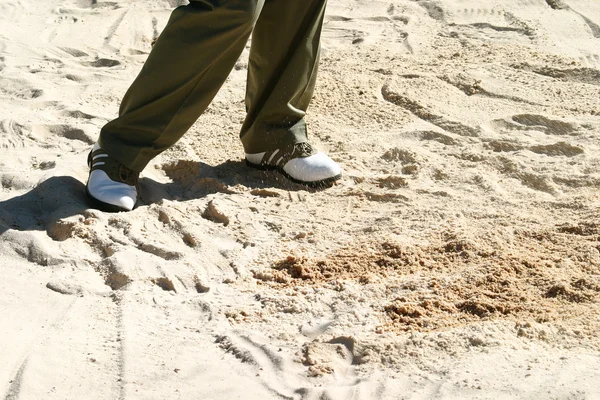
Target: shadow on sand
60, 197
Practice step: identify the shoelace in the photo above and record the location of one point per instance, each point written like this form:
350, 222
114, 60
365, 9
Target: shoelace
126, 174
304, 147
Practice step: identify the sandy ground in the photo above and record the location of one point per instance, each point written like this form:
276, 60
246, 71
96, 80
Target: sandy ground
459, 257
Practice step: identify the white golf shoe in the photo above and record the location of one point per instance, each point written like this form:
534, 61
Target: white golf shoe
299, 163
111, 186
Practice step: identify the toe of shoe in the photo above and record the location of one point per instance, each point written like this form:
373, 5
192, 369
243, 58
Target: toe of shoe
315, 168
114, 195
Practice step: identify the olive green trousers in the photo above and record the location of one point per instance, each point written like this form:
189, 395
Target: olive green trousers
193, 57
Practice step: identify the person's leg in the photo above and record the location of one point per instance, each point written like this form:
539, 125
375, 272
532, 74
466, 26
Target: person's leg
188, 64
282, 72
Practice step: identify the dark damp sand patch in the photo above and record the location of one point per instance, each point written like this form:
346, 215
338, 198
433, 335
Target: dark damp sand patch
461, 281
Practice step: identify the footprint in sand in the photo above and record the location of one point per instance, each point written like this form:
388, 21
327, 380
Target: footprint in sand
74, 52
336, 358
534, 122
76, 114
547, 125
558, 149
483, 23
102, 63
554, 150
47, 134
475, 15
422, 112
539, 126
336, 27
588, 76
377, 27
434, 10
13, 134
19, 88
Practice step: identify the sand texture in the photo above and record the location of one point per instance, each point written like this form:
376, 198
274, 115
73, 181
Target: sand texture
458, 258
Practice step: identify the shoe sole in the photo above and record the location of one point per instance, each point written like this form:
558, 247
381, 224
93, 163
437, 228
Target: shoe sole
102, 206
314, 184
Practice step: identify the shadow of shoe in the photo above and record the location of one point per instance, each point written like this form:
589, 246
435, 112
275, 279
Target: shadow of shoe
194, 180
55, 198
64, 196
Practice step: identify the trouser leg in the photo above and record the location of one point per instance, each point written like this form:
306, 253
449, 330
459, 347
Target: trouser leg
282, 71
188, 64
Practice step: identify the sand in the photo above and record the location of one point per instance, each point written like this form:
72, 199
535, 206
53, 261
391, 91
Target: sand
459, 256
